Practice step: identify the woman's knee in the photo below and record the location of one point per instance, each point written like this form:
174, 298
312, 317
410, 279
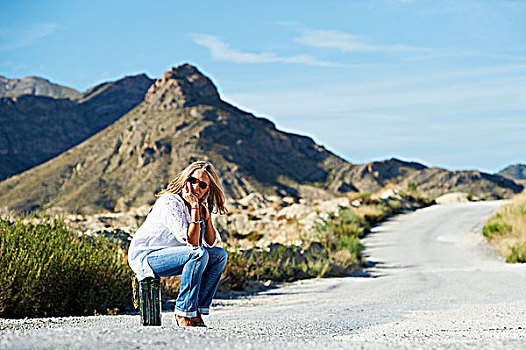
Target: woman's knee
222, 254
200, 253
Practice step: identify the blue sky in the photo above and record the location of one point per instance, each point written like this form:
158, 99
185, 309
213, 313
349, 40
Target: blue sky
439, 82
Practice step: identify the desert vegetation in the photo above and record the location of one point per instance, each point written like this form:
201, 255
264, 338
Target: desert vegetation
506, 230
48, 270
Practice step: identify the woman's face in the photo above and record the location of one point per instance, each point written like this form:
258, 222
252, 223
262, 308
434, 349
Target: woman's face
199, 183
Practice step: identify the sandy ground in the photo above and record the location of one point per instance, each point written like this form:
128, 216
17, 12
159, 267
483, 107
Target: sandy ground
433, 284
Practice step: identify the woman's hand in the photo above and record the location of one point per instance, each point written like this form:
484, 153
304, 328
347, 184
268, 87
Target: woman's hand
205, 213
189, 196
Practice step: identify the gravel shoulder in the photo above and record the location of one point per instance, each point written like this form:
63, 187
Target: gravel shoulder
433, 283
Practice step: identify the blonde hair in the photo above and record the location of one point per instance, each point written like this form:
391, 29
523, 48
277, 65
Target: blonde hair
215, 200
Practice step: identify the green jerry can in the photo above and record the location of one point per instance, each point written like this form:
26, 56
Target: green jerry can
150, 301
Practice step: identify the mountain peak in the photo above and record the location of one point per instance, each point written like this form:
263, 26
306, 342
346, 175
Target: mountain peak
33, 85
181, 86
514, 172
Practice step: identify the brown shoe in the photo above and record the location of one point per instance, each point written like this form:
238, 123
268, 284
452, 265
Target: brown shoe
182, 321
198, 320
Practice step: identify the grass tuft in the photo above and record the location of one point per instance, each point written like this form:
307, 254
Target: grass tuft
493, 229
517, 253
506, 230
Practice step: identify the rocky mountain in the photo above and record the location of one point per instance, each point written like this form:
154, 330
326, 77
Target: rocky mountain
38, 128
182, 119
432, 182
435, 182
34, 86
515, 172
374, 176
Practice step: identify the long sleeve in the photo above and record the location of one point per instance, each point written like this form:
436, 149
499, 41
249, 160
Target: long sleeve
172, 212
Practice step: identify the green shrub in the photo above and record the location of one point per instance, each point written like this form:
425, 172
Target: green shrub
517, 253
351, 229
496, 229
364, 195
349, 216
343, 233
352, 244
347, 223
378, 213
411, 186
317, 266
469, 197
236, 273
277, 263
47, 270
395, 205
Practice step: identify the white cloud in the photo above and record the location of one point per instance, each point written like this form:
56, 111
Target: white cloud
223, 52
15, 38
345, 42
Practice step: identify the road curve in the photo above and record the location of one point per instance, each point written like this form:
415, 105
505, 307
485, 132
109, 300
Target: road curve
433, 283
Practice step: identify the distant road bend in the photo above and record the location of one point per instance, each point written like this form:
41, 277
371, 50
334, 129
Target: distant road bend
434, 283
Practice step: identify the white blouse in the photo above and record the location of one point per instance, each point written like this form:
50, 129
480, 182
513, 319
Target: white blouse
165, 226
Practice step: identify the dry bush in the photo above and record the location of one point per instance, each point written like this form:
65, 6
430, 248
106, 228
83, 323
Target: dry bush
372, 213
506, 230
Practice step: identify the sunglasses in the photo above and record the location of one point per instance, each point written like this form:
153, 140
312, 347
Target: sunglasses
202, 184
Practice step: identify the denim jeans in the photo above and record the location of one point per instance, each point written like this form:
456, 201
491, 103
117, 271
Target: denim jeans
200, 270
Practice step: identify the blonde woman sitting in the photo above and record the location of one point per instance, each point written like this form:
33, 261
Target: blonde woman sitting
178, 238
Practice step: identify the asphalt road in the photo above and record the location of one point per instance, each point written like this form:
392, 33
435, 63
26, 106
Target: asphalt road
433, 283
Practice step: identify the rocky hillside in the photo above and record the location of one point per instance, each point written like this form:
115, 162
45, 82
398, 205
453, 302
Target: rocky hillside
182, 119
515, 172
435, 182
38, 128
34, 86
432, 182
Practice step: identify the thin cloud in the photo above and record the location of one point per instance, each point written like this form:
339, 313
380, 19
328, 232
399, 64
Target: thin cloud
345, 42
19, 67
15, 38
495, 94
452, 53
223, 52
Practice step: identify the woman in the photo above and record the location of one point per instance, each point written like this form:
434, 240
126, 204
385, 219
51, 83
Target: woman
178, 238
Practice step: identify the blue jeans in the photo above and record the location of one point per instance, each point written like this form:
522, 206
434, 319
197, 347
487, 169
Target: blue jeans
200, 270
